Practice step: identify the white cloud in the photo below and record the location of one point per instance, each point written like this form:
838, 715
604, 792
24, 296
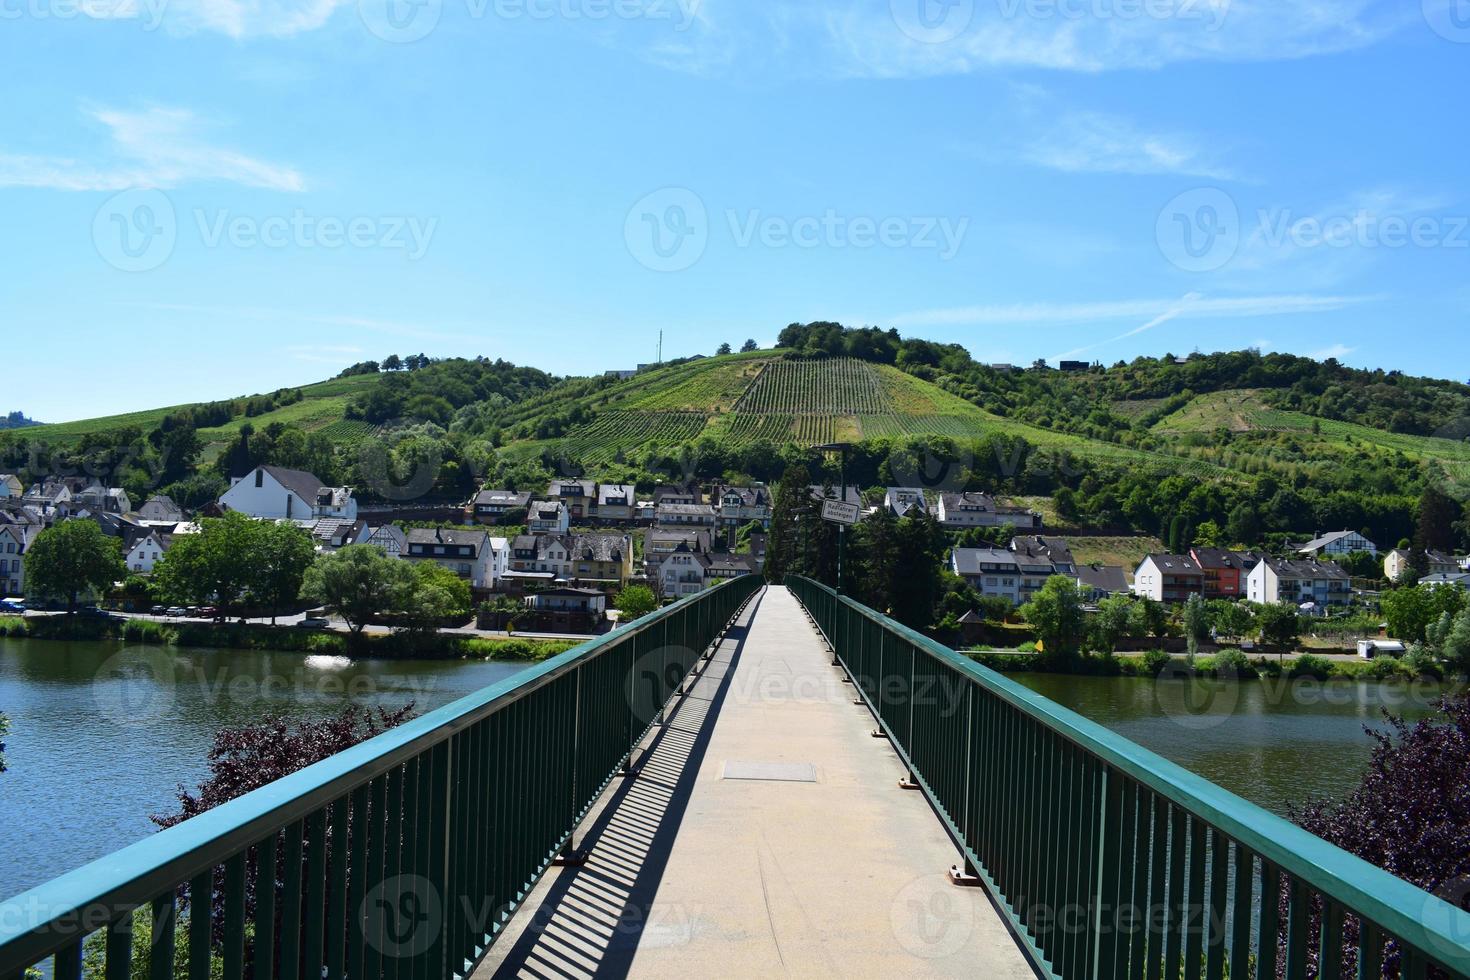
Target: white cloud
1336, 350
878, 39
1094, 142
157, 147
1191, 306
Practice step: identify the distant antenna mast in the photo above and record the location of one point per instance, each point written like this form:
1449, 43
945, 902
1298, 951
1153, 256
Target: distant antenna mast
660, 346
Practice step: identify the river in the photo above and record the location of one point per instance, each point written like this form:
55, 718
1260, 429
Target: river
103, 733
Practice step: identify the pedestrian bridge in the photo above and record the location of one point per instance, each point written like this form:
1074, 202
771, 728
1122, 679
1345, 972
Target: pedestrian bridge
753, 781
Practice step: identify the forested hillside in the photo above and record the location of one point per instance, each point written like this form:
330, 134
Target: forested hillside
1243, 443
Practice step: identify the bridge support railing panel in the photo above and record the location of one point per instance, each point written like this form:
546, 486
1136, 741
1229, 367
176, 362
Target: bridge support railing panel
404, 856
1110, 861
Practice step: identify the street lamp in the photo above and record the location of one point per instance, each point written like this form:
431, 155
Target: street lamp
842, 449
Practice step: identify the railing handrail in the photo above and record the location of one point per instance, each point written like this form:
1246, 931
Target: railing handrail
1339, 874
132, 875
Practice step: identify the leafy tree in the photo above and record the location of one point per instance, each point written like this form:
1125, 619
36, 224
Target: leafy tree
1056, 613
219, 564
360, 582
635, 602
1112, 621
748, 346
1279, 625
72, 558
1230, 618
1408, 814
1196, 624
793, 495
283, 553
722, 349
433, 596
1148, 618
1209, 535
392, 363
1410, 611
1434, 526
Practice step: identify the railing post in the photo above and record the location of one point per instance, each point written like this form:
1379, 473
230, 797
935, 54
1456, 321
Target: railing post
1104, 932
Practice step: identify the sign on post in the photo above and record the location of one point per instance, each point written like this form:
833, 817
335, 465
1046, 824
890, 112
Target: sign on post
839, 512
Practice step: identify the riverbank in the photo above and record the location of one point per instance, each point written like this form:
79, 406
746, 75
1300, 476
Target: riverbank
287, 639
1226, 665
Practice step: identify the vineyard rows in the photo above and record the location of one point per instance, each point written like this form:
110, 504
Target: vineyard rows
845, 386
613, 432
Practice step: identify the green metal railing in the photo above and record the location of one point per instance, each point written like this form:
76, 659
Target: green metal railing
402, 857
1110, 861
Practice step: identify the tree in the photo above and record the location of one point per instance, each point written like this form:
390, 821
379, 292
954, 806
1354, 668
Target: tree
283, 554
793, 495
72, 558
1148, 618
748, 346
433, 595
1408, 813
635, 602
1279, 625
1209, 535
360, 582
1434, 526
219, 564
1244, 524
392, 363
1056, 613
722, 349
1410, 611
1196, 624
1230, 618
1111, 623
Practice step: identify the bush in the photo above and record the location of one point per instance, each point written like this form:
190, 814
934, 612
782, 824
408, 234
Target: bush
1309, 666
533, 651
1154, 662
147, 631
13, 626
1230, 663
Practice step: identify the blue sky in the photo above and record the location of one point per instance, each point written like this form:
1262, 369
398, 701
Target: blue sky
215, 197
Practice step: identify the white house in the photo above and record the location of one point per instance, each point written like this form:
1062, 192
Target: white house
548, 517
499, 558
1311, 582
962, 510
616, 502
389, 539
276, 493
1396, 563
682, 573
741, 505
13, 541
160, 507
1001, 573
465, 553
10, 486
145, 552
901, 500
685, 515
1169, 578
1338, 543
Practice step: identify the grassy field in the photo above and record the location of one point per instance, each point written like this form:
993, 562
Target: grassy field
1127, 552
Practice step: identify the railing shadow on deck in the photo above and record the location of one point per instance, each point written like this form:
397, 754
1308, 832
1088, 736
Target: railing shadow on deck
593, 918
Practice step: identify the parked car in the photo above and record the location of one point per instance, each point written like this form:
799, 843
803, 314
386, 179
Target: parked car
175, 610
315, 623
12, 606
159, 611
209, 612
92, 612
192, 612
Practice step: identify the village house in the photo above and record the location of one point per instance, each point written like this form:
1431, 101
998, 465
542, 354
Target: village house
568, 610
1097, 582
142, 551
1338, 543
726, 566
1310, 584
738, 506
685, 515
958, 511
390, 539
601, 558
161, 509
276, 493
682, 574
617, 503
334, 533
1461, 579
10, 486
547, 517
579, 496
1001, 573
659, 543
899, 501
1054, 550
107, 500
493, 505
669, 493
13, 541
1396, 563
1224, 571
465, 553
1169, 578
544, 557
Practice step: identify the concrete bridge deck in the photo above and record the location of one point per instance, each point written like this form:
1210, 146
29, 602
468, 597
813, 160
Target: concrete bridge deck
765, 834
